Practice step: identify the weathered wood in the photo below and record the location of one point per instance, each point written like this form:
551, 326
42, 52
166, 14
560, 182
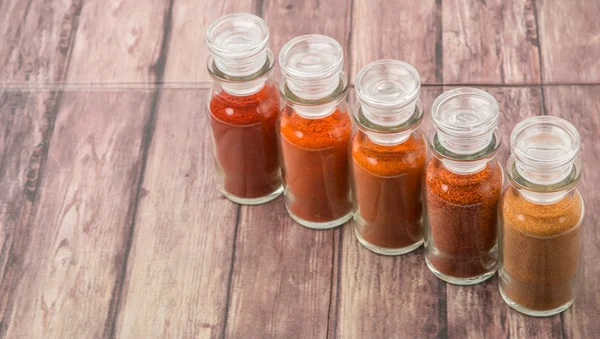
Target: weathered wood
580, 105
289, 19
35, 48
479, 311
178, 270
80, 230
490, 42
281, 282
410, 31
569, 40
120, 42
187, 47
389, 297
36, 40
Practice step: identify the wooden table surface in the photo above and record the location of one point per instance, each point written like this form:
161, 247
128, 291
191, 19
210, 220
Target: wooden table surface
110, 221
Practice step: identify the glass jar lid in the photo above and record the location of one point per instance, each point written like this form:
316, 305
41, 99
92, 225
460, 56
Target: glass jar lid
545, 149
311, 66
238, 43
465, 120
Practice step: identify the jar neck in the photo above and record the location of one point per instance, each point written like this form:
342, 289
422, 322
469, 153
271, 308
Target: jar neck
466, 167
389, 139
323, 104
243, 88
243, 83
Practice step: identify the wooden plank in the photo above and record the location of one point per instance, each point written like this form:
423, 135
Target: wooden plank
409, 31
178, 271
384, 297
490, 42
120, 42
36, 39
569, 40
27, 119
187, 47
580, 105
289, 19
282, 274
35, 49
76, 250
479, 311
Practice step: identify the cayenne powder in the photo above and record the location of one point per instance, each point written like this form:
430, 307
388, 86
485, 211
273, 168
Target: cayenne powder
315, 164
245, 141
541, 250
387, 190
462, 216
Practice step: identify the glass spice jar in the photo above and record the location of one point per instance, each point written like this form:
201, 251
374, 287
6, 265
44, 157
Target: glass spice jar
463, 183
388, 154
314, 131
541, 218
243, 109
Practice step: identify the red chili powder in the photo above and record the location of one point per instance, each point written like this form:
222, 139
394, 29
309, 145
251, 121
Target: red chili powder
462, 214
387, 190
245, 141
315, 164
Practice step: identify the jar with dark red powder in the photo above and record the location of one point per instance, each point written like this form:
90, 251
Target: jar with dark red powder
463, 183
243, 109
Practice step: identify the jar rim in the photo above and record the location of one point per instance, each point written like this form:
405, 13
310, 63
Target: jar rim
413, 122
218, 75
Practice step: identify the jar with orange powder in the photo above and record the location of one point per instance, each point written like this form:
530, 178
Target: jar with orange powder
388, 155
541, 238
243, 109
463, 183
314, 131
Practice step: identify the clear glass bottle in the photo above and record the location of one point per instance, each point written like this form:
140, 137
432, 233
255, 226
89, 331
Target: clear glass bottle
388, 154
541, 218
463, 183
314, 131
243, 109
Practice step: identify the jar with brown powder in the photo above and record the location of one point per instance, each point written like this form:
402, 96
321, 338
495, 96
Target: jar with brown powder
463, 183
388, 155
541, 216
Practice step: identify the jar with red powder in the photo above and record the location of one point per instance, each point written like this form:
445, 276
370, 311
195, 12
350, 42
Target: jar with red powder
314, 131
243, 109
388, 155
463, 183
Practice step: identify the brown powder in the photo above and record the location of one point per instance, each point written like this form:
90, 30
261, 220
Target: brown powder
540, 250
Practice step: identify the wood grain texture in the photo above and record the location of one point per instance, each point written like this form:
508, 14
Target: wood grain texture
490, 42
36, 39
188, 50
78, 235
282, 275
26, 124
178, 270
410, 31
580, 105
479, 311
288, 19
119, 41
569, 40
389, 297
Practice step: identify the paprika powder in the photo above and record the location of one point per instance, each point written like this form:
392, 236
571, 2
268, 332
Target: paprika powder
243, 108
314, 131
541, 212
388, 157
463, 183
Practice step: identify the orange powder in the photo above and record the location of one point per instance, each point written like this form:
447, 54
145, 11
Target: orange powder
315, 164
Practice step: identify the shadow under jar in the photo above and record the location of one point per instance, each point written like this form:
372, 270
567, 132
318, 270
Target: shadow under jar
314, 131
388, 155
541, 216
243, 108
463, 183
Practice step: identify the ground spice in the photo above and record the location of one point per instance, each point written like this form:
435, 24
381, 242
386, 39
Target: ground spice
387, 190
462, 216
315, 164
245, 141
541, 249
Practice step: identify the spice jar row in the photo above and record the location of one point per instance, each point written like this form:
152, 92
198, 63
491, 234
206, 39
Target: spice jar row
380, 175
